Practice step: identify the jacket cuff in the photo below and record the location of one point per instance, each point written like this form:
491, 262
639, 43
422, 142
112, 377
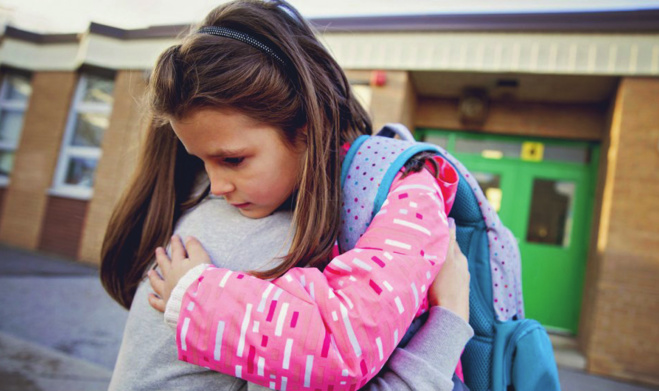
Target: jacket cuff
173, 308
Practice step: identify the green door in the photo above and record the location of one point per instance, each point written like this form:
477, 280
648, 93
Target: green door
543, 191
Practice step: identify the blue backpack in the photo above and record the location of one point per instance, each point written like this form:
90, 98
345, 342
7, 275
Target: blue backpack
507, 352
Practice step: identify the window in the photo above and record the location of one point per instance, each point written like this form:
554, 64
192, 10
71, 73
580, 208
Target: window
491, 186
497, 149
81, 147
491, 149
550, 219
14, 96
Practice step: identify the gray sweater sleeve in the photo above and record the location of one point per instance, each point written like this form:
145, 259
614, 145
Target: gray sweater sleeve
429, 360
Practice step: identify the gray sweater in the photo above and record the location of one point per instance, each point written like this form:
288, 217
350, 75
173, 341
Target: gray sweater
148, 356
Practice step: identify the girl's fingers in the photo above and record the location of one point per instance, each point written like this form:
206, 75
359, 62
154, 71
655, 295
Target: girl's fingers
156, 302
196, 251
163, 261
157, 283
451, 242
178, 250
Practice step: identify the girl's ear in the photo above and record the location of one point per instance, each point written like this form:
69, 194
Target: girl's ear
302, 136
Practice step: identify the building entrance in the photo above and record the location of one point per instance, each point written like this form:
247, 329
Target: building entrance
543, 191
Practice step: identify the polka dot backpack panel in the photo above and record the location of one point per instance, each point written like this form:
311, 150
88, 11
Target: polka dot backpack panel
368, 170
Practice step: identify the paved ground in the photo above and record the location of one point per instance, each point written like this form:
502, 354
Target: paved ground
60, 331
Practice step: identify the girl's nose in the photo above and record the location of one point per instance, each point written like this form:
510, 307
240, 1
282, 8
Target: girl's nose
221, 186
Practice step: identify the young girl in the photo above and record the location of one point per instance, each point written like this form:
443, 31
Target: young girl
147, 357
266, 109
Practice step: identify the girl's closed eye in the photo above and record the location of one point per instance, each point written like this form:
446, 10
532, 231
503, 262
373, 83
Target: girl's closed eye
233, 161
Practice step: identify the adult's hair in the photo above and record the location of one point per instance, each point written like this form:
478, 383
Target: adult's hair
307, 96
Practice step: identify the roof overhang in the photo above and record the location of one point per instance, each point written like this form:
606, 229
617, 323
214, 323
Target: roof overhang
603, 43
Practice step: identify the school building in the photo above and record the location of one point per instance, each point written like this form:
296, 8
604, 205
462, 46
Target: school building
557, 115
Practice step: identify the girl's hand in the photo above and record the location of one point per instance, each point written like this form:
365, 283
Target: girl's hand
451, 286
173, 270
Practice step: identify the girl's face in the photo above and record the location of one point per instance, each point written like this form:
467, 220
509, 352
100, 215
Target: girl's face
248, 162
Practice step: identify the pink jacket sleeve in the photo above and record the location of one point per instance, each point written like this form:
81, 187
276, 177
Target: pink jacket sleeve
333, 329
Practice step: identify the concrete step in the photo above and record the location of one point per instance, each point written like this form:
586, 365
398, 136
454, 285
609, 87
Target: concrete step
566, 352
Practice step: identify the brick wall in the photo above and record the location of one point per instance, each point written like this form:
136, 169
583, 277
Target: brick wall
121, 143
36, 157
622, 333
62, 226
3, 192
592, 272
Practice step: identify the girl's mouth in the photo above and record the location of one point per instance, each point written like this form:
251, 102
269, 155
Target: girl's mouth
240, 206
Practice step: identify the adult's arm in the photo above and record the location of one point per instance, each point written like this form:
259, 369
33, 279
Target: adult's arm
429, 360
347, 319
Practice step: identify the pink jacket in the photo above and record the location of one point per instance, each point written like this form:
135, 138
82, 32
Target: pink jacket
330, 330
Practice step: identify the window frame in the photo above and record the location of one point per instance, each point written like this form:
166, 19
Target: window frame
68, 151
14, 106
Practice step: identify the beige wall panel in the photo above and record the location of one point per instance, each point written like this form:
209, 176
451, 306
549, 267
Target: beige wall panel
40, 57
118, 54
36, 157
120, 150
394, 101
623, 338
542, 53
566, 121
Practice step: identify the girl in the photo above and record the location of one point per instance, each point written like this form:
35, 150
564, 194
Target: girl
147, 358
266, 109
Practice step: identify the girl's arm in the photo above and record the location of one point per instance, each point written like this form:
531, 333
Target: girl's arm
428, 362
313, 329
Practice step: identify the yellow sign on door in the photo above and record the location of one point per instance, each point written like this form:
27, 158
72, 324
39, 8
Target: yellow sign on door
532, 151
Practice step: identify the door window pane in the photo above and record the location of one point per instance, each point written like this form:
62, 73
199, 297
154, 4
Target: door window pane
491, 186
81, 172
99, 90
6, 162
489, 148
89, 129
18, 88
550, 219
562, 153
11, 123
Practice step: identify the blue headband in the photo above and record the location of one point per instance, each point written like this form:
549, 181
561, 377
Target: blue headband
242, 37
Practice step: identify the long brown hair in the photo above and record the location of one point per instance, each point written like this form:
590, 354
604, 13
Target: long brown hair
307, 96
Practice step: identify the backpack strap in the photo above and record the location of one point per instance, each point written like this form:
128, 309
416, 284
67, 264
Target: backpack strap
368, 170
394, 129
363, 197
499, 276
